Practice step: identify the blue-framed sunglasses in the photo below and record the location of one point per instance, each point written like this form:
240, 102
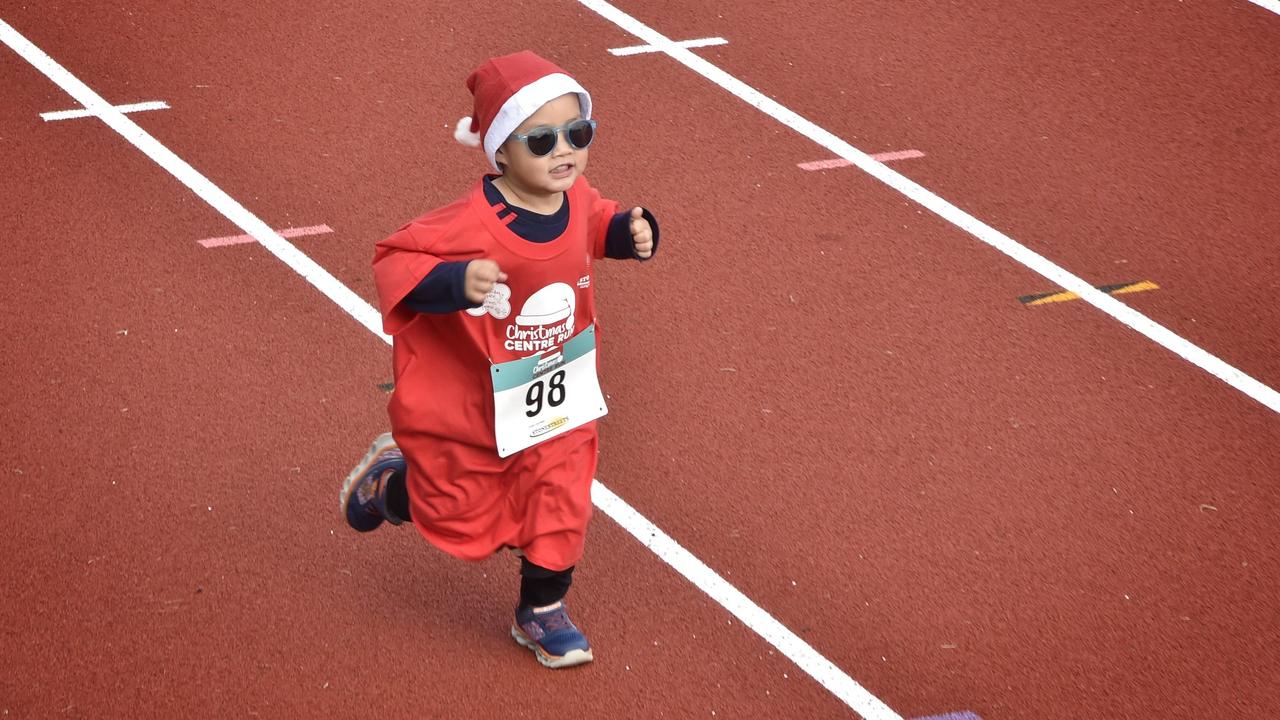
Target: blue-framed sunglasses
542, 141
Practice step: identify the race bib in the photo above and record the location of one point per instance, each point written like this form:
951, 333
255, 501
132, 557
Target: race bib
537, 398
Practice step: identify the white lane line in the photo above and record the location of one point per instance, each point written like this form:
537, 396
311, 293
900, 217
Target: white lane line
94, 112
353, 304
1272, 5
659, 542
638, 49
1059, 276
831, 677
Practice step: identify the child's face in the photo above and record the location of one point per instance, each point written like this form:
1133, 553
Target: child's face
552, 173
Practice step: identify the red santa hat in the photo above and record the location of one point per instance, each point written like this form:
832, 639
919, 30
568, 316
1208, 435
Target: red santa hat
507, 91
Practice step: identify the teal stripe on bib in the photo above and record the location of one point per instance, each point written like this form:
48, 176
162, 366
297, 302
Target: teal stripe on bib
513, 374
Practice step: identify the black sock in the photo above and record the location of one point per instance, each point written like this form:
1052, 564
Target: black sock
397, 497
540, 587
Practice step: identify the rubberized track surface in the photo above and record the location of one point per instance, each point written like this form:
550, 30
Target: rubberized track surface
828, 395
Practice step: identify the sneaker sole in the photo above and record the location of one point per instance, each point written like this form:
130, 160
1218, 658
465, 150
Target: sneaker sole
380, 444
569, 659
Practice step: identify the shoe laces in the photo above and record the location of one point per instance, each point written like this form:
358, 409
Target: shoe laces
557, 619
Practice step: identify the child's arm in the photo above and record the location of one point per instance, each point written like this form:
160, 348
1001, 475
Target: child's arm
616, 233
409, 270
632, 234
454, 286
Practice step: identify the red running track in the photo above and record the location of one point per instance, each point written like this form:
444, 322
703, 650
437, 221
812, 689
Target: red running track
832, 399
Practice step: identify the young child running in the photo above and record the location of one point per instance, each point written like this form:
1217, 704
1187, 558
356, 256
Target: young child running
490, 302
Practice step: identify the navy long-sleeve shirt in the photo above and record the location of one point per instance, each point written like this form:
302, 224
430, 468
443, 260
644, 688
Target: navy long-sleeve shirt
443, 290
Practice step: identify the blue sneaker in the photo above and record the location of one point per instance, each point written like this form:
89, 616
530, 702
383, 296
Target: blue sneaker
364, 493
552, 636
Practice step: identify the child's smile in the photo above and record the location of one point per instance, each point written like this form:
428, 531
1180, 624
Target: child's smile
563, 170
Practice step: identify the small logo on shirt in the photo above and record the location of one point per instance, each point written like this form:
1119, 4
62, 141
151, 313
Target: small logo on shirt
584, 282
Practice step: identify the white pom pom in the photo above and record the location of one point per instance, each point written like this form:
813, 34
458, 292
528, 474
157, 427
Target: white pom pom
462, 133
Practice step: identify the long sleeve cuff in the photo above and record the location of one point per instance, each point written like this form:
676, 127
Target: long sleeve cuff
443, 290
618, 244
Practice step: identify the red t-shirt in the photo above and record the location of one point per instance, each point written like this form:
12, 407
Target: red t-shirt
463, 497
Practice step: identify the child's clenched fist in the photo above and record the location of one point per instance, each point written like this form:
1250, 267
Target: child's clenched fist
480, 278
641, 234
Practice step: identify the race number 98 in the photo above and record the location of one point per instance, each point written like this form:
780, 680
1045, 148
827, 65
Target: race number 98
552, 393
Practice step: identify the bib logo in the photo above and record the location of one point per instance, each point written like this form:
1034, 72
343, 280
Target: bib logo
545, 321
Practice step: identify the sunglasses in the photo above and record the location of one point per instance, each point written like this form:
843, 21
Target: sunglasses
542, 141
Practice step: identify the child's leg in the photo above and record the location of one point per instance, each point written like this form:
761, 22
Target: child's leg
540, 587
397, 498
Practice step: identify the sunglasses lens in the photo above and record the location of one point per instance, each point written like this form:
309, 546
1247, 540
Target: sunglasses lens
541, 142
580, 133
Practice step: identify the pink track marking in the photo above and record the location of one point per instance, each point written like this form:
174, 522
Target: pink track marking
287, 232
841, 162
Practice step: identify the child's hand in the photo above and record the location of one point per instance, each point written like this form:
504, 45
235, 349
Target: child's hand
480, 277
641, 234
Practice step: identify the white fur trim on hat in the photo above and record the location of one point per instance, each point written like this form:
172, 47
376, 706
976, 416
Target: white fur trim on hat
463, 133
526, 102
